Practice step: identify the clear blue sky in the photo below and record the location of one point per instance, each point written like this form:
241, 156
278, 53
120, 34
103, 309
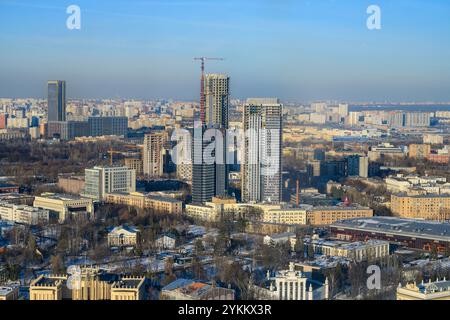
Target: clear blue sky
304, 50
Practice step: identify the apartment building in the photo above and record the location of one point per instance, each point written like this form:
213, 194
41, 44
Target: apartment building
429, 207
332, 214
153, 154
23, 214
419, 151
279, 214
158, 204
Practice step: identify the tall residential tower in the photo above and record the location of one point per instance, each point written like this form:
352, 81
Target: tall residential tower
153, 154
211, 179
261, 163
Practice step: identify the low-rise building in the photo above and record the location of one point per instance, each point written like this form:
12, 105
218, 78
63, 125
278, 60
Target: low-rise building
357, 251
51, 287
17, 198
166, 242
71, 184
278, 214
279, 238
65, 206
164, 204
3, 274
419, 151
88, 283
128, 288
412, 233
385, 150
184, 289
8, 188
437, 290
159, 204
123, 236
291, 285
433, 139
23, 214
330, 214
430, 206
9, 292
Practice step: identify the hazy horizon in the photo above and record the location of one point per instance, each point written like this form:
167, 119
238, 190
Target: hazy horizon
294, 50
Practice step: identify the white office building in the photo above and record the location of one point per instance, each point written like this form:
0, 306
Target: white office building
100, 181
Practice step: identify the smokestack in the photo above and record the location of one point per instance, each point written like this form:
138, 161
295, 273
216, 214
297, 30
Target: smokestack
297, 198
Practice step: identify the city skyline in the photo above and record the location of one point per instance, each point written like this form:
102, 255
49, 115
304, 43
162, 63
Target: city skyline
297, 50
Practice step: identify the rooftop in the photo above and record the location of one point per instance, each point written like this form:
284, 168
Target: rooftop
399, 226
5, 290
340, 207
188, 287
123, 227
8, 185
128, 283
61, 196
163, 199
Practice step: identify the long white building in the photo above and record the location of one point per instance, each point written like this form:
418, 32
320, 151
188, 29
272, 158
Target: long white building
23, 214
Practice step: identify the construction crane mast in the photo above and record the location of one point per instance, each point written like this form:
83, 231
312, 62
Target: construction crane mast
111, 152
202, 86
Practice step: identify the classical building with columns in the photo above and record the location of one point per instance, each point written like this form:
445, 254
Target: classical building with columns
88, 283
291, 285
437, 290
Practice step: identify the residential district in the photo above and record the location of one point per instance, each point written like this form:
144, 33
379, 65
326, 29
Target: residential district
95, 203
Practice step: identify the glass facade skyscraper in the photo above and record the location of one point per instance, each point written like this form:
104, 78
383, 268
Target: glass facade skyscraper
56, 100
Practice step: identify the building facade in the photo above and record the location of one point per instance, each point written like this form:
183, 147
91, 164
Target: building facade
65, 206
291, 285
56, 101
136, 164
430, 207
153, 154
159, 204
261, 164
108, 126
23, 214
88, 283
437, 290
123, 236
100, 181
217, 99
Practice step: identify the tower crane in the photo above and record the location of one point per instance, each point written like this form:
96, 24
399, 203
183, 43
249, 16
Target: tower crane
202, 86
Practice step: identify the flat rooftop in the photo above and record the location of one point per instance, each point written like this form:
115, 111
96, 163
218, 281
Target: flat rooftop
399, 226
339, 208
61, 196
163, 199
5, 290
127, 283
47, 282
8, 185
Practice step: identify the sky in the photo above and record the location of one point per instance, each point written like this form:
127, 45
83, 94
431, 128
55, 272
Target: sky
290, 49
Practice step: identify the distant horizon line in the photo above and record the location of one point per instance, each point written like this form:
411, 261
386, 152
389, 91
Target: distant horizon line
328, 101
